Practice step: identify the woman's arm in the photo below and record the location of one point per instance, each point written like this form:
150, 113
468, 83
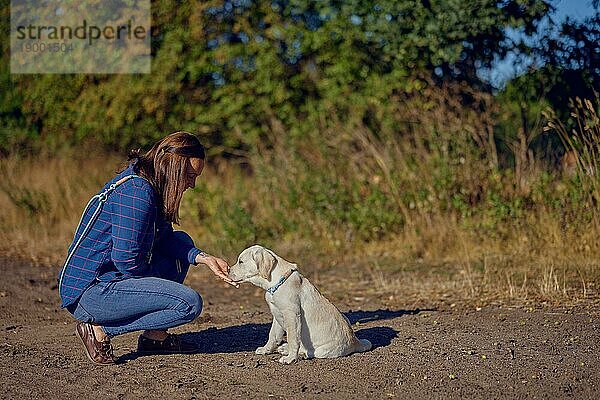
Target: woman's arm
173, 246
133, 217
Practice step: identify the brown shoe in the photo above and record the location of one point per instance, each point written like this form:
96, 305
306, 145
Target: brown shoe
171, 345
97, 351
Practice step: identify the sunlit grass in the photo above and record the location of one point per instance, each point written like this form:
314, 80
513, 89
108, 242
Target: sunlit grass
434, 258
415, 216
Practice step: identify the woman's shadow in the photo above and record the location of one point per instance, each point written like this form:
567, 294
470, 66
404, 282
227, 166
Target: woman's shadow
247, 337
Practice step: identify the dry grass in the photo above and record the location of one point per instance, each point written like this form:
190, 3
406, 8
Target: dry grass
41, 201
42, 198
419, 210
483, 270
582, 141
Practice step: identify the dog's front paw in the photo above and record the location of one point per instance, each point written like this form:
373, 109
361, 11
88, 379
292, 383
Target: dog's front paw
283, 349
288, 359
263, 350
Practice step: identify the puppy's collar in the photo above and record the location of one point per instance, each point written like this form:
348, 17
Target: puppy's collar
281, 280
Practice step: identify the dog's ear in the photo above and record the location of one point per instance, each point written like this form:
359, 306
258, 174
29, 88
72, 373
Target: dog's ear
265, 261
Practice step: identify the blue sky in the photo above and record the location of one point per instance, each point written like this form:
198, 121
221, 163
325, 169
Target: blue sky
508, 68
578, 9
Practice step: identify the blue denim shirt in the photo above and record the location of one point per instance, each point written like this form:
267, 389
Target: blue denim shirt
121, 241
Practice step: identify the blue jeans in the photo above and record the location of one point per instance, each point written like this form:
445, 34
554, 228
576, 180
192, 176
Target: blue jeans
157, 302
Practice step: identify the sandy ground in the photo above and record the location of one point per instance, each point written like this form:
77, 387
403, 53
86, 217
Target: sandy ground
421, 351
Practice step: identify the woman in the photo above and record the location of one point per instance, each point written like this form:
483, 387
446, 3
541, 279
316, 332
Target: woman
126, 265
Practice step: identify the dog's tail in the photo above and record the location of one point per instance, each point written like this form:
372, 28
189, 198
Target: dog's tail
363, 345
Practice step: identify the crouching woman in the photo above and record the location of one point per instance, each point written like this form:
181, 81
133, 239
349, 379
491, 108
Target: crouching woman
125, 268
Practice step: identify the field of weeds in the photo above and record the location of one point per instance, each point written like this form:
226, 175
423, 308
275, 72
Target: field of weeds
420, 218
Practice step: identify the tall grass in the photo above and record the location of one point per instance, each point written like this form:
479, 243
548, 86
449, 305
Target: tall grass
42, 199
417, 209
581, 138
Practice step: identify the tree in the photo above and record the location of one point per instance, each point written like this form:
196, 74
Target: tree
235, 71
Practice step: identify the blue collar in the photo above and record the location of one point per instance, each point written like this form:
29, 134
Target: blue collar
281, 280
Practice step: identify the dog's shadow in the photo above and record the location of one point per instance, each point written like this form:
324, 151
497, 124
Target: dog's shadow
247, 337
379, 336
230, 339
379, 315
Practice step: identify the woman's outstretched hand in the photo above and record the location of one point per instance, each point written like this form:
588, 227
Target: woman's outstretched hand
217, 265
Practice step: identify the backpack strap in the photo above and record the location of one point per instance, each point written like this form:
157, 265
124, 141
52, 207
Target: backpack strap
101, 197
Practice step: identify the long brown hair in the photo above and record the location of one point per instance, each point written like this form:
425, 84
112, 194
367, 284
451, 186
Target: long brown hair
165, 166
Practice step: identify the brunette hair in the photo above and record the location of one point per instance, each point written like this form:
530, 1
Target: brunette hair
165, 166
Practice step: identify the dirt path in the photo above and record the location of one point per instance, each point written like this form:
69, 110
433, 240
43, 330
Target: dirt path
434, 351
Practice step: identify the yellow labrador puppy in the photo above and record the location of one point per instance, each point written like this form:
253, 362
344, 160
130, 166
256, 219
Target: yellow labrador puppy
314, 326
